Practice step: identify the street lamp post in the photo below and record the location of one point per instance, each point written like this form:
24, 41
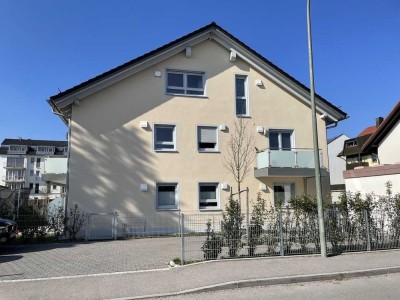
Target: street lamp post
315, 139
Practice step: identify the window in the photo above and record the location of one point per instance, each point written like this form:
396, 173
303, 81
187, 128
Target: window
185, 83
54, 187
207, 137
38, 162
282, 193
280, 139
351, 144
45, 149
31, 186
167, 195
208, 196
63, 189
164, 138
241, 95
32, 160
31, 173
15, 162
37, 173
37, 188
13, 149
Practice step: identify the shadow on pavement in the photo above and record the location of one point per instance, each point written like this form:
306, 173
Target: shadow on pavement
5, 259
18, 249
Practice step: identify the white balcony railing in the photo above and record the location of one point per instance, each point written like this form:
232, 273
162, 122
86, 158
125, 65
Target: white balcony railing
13, 178
294, 158
14, 165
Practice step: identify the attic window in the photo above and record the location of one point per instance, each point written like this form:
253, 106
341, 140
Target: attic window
351, 144
185, 83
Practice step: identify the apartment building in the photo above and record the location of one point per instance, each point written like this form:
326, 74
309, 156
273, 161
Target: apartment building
151, 134
24, 162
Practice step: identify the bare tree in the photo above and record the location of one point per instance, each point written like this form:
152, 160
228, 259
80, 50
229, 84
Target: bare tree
240, 152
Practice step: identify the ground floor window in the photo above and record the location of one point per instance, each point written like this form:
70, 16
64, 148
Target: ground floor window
167, 195
208, 196
282, 193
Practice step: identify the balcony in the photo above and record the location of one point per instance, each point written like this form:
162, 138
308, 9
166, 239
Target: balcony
351, 166
14, 165
294, 162
13, 178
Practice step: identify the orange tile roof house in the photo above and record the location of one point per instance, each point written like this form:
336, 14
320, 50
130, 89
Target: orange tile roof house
384, 143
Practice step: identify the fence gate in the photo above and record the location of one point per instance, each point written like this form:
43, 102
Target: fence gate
101, 226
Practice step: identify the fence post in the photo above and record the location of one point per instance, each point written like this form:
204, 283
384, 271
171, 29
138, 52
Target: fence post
182, 239
367, 230
87, 226
115, 225
281, 233
247, 217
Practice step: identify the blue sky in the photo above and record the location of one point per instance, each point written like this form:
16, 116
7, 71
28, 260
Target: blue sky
51, 45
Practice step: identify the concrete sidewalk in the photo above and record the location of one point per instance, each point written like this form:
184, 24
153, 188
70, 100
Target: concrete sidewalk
204, 276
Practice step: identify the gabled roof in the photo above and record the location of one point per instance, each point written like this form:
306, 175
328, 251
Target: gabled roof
330, 140
62, 102
384, 128
368, 131
29, 142
357, 148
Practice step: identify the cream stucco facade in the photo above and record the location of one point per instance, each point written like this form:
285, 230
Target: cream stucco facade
111, 155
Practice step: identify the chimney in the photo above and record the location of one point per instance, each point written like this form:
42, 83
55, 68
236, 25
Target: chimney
379, 121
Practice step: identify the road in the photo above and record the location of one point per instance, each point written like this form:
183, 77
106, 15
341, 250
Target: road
378, 287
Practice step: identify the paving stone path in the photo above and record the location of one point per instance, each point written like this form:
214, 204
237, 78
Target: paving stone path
69, 259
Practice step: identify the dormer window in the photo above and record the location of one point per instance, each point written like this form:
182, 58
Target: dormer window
17, 149
45, 150
351, 144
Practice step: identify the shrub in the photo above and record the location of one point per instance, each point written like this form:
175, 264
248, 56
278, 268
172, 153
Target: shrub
212, 246
256, 224
232, 226
73, 222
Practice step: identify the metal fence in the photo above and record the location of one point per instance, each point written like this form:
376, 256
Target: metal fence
204, 236
286, 232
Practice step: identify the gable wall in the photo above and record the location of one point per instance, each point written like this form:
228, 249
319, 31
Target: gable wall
111, 155
388, 150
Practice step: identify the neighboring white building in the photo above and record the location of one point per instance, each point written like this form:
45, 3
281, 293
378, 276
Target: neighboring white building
386, 143
25, 161
336, 165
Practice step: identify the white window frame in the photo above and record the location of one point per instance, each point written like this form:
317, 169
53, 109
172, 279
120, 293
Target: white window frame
208, 150
155, 143
185, 88
280, 131
168, 207
292, 187
217, 192
245, 97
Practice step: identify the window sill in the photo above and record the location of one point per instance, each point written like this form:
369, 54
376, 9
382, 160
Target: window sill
210, 209
244, 116
166, 151
216, 151
187, 95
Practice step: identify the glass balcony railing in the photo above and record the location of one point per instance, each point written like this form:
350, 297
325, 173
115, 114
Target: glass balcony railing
294, 158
